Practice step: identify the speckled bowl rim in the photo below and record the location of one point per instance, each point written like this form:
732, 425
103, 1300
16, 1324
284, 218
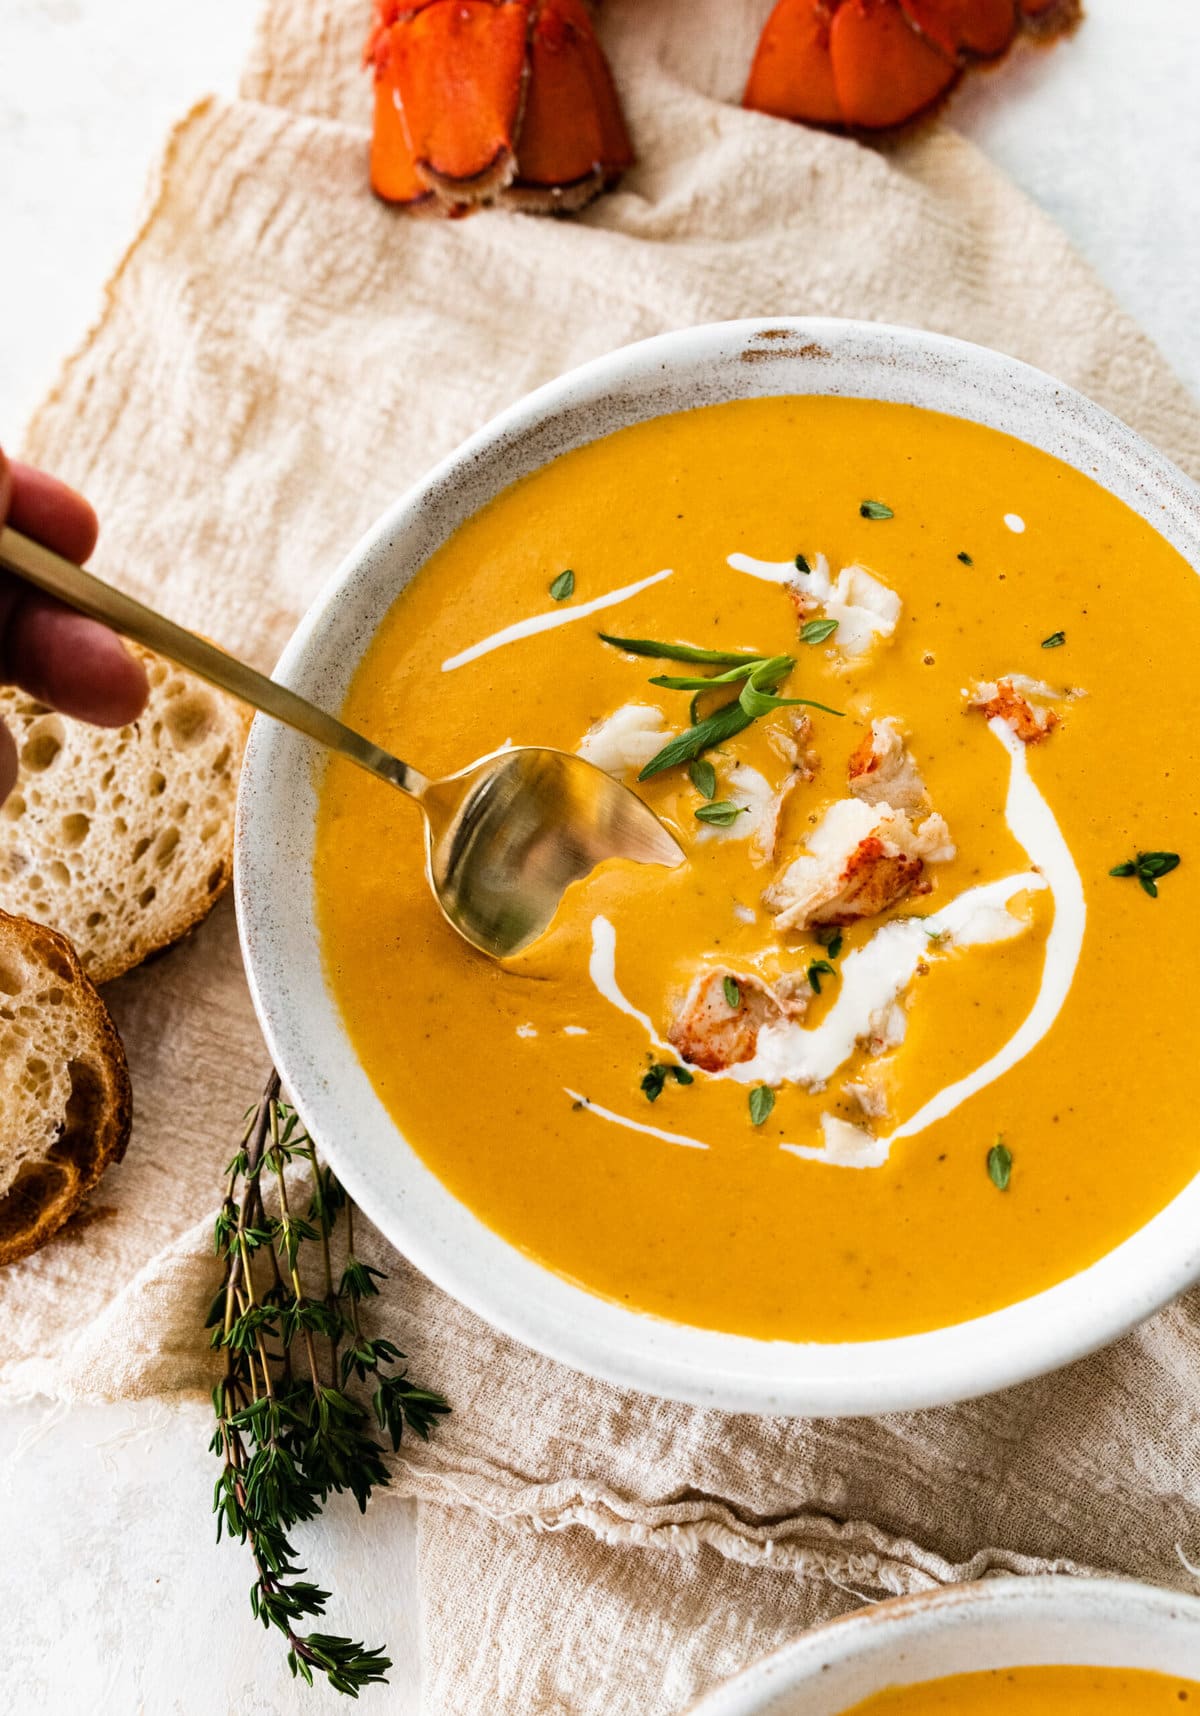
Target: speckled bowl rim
302, 1024
997, 1623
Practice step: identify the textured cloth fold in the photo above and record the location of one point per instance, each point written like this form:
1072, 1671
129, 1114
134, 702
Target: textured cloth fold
277, 357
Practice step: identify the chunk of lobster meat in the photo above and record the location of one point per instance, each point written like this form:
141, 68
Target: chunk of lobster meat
1024, 704
719, 1019
758, 805
769, 832
886, 1028
624, 742
851, 1146
861, 859
869, 1096
881, 770
789, 739
863, 606
573, 141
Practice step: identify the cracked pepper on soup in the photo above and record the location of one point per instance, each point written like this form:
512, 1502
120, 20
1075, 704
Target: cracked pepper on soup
1055, 1691
900, 1043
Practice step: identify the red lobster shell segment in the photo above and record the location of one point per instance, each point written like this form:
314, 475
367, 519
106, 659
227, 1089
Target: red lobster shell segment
874, 65
485, 100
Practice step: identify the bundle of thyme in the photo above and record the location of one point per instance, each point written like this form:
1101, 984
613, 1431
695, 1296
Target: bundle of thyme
292, 1424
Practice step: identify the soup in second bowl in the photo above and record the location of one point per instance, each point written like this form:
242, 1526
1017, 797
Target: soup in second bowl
1057, 1691
900, 1043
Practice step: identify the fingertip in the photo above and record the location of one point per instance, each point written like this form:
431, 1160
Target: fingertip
75, 664
51, 511
124, 685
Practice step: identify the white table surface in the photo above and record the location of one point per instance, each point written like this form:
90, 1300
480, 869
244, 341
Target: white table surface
115, 1599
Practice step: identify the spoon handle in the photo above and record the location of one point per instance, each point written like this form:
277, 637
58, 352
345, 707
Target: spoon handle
90, 595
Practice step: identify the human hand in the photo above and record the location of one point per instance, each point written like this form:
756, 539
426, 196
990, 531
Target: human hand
75, 665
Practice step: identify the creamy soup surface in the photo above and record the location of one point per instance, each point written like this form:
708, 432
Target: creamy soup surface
1039, 1692
893, 1047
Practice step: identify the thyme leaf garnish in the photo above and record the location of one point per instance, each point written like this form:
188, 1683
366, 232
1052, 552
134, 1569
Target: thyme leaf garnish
721, 815
655, 1079
1149, 868
817, 969
703, 777
875, 509
1055, 641
762, 1101
816, 631
563, 586
999, 1164
732, 991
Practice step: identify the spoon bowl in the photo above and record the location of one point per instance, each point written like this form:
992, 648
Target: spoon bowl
505, 837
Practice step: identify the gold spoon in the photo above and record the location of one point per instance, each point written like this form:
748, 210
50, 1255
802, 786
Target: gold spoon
504, 838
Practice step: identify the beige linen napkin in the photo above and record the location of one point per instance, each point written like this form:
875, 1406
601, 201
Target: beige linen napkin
277, 357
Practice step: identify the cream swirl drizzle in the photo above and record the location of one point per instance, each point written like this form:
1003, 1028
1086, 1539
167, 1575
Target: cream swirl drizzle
887, 964
546, 622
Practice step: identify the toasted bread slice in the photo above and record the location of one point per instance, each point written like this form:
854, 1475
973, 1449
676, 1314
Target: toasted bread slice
122, 838
65, 1101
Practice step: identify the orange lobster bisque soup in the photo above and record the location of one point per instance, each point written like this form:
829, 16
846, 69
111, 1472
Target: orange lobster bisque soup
1039, 1692
895, 1046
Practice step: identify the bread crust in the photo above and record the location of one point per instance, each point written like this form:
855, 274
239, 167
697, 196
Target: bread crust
95, 1130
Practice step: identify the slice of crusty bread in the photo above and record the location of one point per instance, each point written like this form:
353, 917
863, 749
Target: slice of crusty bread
65, 1101
122, 838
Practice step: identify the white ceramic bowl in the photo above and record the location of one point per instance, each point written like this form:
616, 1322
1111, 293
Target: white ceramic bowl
1001, 1623
300, 1018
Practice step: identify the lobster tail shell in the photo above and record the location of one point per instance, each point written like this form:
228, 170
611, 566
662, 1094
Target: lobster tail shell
983, 29
885, 71
573, 137
793, 65
876, 65
492, 100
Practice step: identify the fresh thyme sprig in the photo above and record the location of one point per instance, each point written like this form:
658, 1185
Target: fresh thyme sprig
289, 1434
